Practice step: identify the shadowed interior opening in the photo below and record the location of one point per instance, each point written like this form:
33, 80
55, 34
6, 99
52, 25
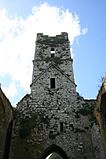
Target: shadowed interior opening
54, 152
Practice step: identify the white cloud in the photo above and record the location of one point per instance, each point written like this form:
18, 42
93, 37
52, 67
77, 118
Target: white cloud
11, 91
84, 31
18, 35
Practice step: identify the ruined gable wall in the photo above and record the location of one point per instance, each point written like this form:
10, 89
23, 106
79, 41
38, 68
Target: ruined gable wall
37, 127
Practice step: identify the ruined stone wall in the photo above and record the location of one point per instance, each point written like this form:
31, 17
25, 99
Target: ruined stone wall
52, 119
100, 114
95, 130
37, 128
6, 116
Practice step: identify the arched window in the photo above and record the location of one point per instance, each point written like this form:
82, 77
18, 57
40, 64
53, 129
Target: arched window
54, 152
52, 52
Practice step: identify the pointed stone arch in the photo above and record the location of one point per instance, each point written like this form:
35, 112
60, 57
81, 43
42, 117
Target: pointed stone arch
56, 149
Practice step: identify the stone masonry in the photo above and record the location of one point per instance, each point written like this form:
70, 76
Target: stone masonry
6, 120
53, 118
53, 121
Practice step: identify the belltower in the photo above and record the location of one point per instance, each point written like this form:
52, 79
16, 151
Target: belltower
51, 121
52, 50
52, 64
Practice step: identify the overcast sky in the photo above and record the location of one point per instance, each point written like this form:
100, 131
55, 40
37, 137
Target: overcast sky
20, 20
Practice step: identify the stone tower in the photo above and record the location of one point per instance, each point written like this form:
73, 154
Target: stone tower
52, 71
53, 120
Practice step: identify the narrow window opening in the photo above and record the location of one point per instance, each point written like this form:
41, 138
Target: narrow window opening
52, 83
61, 126
52, 52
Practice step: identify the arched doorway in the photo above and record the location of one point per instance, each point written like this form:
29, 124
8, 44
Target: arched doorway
54, 152
54, 156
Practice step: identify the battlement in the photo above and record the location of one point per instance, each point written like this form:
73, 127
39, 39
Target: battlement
58, 39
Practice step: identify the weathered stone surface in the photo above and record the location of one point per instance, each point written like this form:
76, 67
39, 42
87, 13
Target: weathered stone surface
6, 118
52, 116
100, 127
